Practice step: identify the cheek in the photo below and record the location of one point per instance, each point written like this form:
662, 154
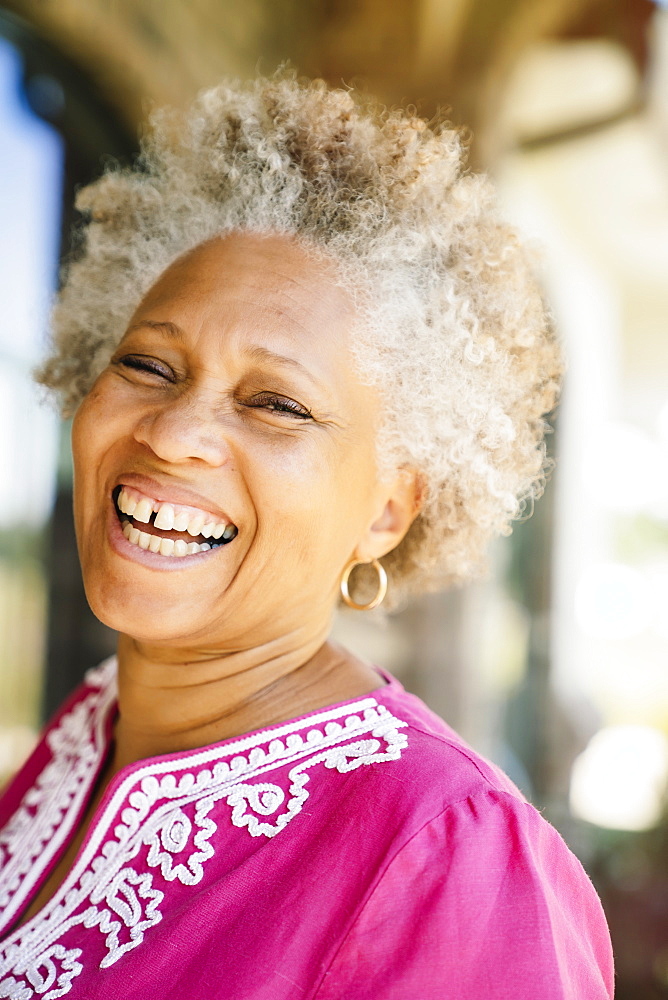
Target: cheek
323, 490
81, 449
97, 418
293, 478
92, 429
84, 430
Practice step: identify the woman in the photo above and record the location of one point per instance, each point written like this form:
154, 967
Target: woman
303, 353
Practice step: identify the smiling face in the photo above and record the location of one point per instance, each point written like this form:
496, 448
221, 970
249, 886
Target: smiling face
229, 425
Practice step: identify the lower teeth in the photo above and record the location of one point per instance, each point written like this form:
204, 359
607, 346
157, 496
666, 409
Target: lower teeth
164, 546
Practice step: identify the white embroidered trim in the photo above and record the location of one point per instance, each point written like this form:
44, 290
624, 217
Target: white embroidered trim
36, 831
122, 902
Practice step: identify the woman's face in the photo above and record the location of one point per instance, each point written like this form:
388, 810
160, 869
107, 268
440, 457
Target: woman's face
231, 405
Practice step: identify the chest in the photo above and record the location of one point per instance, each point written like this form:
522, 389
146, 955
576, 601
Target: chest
246, 854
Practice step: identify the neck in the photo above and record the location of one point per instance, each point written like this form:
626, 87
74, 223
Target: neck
175, 700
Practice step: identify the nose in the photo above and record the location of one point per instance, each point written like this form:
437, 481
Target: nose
184, 431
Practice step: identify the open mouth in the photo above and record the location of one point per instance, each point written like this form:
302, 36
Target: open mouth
168, 529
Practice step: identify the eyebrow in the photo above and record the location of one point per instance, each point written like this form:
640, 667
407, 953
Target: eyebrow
256, 352
171, 329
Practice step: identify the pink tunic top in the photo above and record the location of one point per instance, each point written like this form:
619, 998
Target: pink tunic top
362, 852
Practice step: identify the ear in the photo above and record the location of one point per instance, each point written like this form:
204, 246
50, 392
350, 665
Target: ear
400, 502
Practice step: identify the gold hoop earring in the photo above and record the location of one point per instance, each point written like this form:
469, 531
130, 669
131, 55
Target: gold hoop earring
382, 585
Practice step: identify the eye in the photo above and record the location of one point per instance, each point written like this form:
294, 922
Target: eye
141, 363
278, 404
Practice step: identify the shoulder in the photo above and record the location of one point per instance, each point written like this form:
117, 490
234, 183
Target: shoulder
438, 769
480, 896
468, 815
478, 903
450, 809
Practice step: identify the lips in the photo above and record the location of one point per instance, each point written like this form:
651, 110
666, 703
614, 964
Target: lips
166, 528
169, 516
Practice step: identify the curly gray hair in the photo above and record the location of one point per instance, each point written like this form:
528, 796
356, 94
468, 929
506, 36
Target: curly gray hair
455, 333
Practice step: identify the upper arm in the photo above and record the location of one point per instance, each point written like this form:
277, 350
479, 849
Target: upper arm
485, 901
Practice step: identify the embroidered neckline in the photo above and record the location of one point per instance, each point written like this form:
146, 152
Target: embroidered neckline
164, 805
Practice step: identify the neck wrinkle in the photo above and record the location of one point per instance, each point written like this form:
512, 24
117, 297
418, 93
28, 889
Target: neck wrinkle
167, 707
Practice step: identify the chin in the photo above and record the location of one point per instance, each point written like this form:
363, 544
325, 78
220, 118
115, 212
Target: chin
137, 613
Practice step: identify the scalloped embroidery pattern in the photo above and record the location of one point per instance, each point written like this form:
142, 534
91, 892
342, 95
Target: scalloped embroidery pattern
165, 807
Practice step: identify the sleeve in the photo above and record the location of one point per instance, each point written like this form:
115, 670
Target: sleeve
485, 901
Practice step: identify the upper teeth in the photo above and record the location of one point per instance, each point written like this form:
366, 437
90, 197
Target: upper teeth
171, 516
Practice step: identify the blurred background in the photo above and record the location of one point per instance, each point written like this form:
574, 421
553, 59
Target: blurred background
557, 665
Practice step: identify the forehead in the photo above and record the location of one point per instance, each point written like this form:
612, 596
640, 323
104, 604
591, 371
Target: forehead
258, 279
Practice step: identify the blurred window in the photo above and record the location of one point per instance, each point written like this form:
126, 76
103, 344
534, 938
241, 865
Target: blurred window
31, 177
56, 132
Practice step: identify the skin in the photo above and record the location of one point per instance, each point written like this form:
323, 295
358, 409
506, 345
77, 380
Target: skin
236, 639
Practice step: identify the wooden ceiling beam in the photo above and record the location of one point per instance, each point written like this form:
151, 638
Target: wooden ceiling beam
432, 53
